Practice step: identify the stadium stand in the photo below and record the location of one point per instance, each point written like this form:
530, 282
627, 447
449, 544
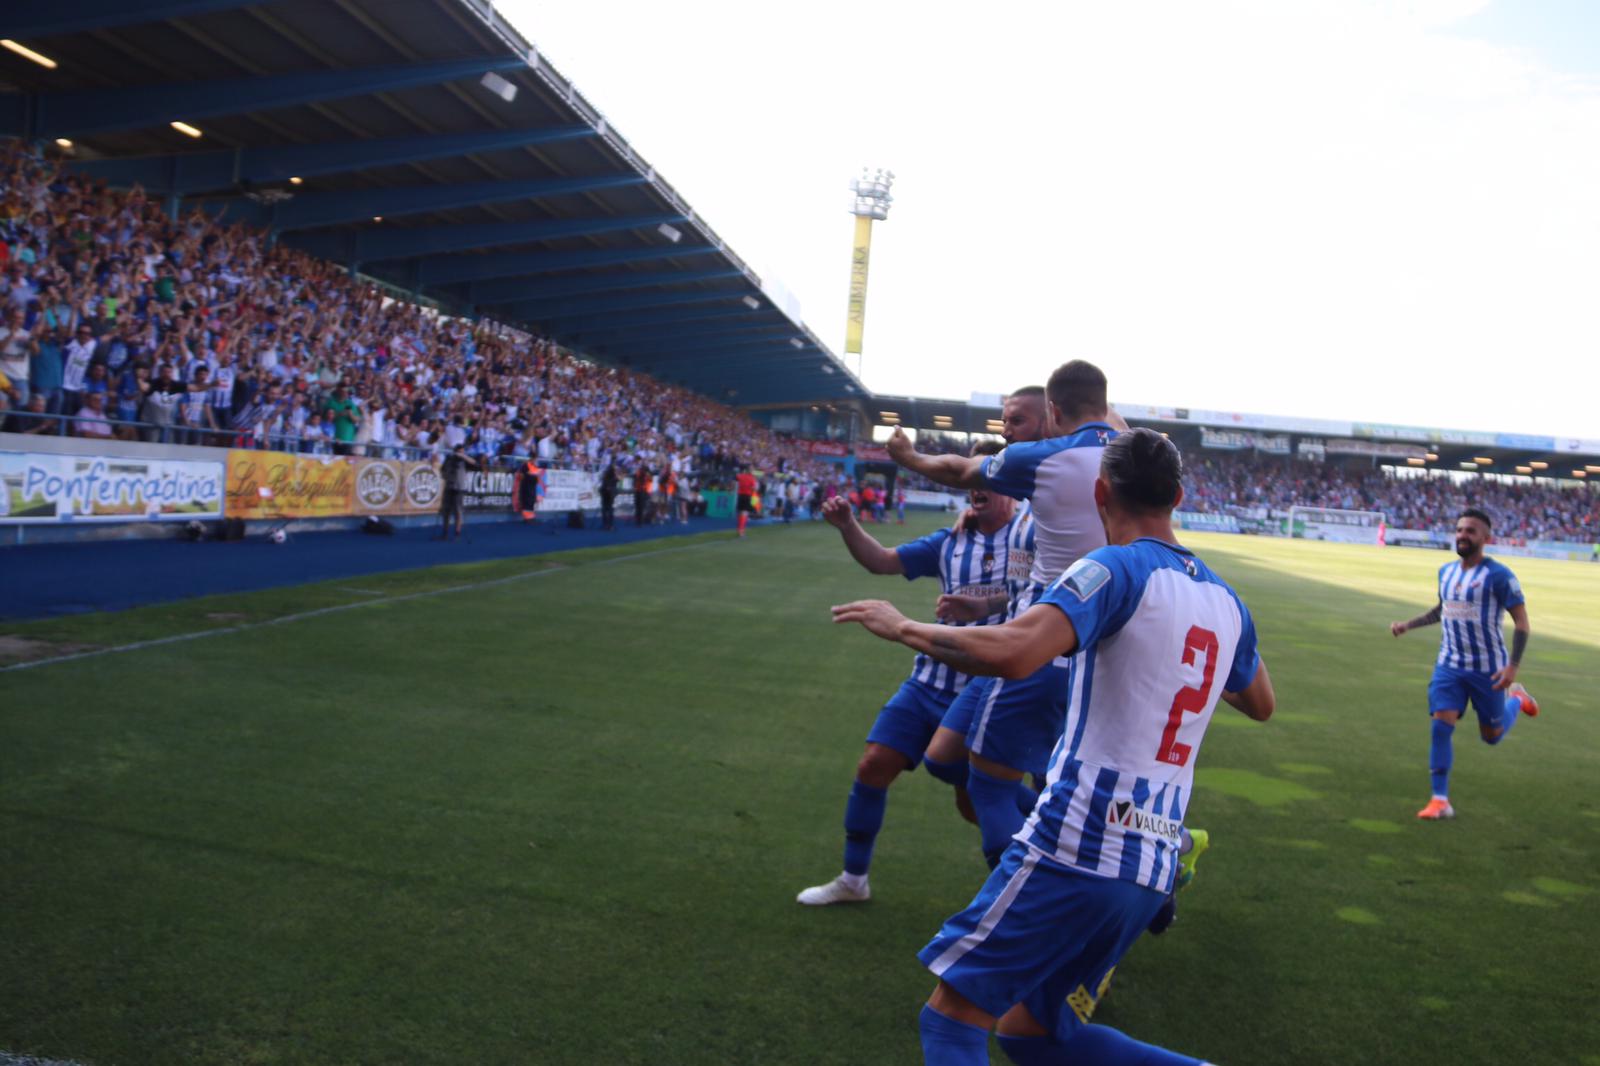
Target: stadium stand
1525, 510
190, 331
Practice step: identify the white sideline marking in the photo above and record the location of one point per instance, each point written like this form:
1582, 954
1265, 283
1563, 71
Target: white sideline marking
302, 616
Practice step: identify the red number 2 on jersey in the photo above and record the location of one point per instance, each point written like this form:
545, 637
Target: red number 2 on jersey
1191, 699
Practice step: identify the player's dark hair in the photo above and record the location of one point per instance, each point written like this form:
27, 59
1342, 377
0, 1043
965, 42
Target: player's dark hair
1473, 512
1027, 390
1078, 388
988, 447
1144, 470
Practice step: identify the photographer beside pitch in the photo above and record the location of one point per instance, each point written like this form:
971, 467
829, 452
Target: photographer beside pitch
1096, 859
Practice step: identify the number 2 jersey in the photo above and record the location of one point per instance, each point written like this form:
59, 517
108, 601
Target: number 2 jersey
1161, 638
968, 563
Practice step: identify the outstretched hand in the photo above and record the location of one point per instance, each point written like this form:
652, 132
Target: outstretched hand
1397, 628
879, 617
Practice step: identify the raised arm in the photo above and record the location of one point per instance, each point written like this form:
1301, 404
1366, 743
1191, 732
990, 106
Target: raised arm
1426, 619
1256, 700
956, 471
1013, 650
864, 547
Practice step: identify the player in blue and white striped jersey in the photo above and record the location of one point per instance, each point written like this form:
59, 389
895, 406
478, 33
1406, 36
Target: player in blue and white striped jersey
1015, 723
1162, 639
912, 728
1475, 593
1010, 744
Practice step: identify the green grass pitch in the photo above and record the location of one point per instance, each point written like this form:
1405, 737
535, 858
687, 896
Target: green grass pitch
563, 820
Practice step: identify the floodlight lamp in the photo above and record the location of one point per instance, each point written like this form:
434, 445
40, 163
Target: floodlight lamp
62, 142
502, 88
751, 302
186, 129
797, 342
671, 233
827, 369
28, 53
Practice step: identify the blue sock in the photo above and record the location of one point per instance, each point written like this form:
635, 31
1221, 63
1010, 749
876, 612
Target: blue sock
947, 1042
1101, 1045
994, 800
1439, 756
1027, 796
1031, 1050
863, 817
951, 773
1508, 717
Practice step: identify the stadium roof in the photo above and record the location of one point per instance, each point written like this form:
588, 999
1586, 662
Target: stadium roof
429, 145
1451, 448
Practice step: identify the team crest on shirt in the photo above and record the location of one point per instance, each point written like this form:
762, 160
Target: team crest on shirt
992, 464
988, 563
1084, 578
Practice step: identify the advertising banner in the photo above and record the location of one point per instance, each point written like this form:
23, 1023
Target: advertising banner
92, 488
872, 453
282, 485
944, 501
836, 448
393, 487
1378, 448
1206, 521
1238, 440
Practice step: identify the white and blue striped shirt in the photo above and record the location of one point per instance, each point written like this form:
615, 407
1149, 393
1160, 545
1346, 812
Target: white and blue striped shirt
1472, 601
967, 564
1161, 638
1058, 476
1021, 589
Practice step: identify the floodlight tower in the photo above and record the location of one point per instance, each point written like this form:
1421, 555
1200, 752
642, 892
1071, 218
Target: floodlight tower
872, 200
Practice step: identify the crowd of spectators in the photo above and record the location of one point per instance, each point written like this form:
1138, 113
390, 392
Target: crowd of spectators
193, 330
1522, 509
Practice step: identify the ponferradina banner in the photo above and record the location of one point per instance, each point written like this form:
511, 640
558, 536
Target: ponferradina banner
101, 488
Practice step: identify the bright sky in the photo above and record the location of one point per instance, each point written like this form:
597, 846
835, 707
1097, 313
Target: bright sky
1374, 211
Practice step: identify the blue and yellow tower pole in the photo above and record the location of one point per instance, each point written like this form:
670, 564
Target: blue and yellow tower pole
872, 200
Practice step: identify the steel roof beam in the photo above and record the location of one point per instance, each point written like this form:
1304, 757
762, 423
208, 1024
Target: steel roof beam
44, 18
75, 114
552, 313
644, 319
192, 172
454, 269
519, 290
376, 242
694, 350
310, 210
709, 328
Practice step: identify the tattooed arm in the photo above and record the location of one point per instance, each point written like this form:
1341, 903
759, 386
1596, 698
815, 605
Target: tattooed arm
1015, 649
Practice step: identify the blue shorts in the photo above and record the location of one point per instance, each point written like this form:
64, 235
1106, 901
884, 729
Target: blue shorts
1017, 722
908, 720
1451, 690
1042, 935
